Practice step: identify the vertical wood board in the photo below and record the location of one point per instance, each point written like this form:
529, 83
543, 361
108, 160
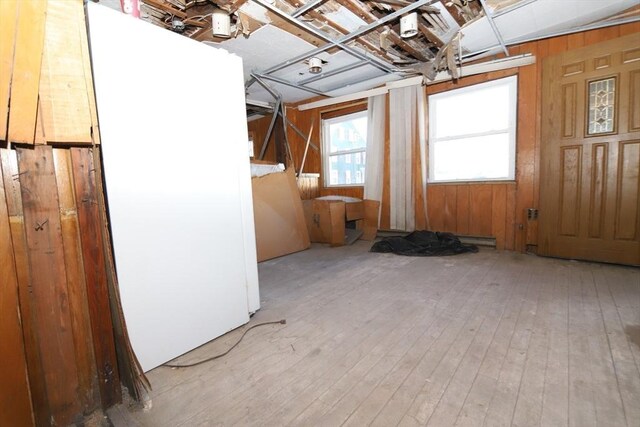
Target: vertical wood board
27, 63
15, 400
76, 285
66, 114
49, 296
11, 177
9, 16
481, 210
499, 215
96, 277
462, 209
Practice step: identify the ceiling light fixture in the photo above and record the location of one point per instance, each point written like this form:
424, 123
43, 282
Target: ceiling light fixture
177, 25
221, 24
409, 25
315, 65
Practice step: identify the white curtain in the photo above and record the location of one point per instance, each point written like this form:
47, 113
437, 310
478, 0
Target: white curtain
407, 126
423, 115
374, 165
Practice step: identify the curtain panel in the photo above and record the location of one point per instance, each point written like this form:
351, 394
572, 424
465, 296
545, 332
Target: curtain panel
408, 158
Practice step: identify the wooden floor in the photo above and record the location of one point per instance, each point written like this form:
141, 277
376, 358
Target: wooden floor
493, 338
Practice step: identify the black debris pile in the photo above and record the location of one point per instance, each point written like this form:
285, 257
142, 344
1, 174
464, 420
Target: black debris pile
423, 243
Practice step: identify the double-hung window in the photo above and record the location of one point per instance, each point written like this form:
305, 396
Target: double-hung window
472, 132
344, 143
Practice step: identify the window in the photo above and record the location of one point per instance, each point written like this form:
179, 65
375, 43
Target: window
472, 132
344, 140
602, 99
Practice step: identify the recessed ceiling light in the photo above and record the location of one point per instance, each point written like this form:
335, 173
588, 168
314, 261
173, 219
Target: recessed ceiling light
315, 65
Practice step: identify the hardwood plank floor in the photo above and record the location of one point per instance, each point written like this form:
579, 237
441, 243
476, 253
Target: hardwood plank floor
493, 338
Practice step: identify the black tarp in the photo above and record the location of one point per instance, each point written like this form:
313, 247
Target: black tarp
423, 243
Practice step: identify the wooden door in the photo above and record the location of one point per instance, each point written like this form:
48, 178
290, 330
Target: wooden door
590, 153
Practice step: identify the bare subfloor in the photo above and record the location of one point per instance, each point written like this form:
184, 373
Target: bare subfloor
493, 338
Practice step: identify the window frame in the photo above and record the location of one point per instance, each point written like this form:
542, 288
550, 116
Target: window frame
512, 83
338, 116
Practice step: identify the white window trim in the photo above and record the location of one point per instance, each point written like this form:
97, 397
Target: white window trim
512, 82
327, 154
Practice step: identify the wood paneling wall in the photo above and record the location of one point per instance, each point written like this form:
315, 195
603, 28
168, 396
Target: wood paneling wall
258, 129
473, 209
303, 121
483, 209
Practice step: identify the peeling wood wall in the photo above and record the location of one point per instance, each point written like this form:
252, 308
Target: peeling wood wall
482, 209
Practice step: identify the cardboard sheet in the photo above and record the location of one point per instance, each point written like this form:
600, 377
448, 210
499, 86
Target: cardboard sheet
370, 223
354, 207
327, 216
325, 221
278, 215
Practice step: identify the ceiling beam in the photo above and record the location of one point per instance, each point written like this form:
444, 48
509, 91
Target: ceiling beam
429, 9
288, 83
165, 7
353, 35
322, 19
311, 29
364, 13
467, 70
494, 28
307, 7
454, 12
330, 73
430, 35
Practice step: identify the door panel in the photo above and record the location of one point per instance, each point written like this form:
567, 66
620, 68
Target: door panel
627, 209
590, 153
597, 196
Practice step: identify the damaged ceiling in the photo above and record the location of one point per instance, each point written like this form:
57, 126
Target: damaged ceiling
360, 42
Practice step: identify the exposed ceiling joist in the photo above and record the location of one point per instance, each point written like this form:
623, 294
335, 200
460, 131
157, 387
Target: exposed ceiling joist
449, 33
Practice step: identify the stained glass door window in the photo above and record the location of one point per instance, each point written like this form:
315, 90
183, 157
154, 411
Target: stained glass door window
602, 101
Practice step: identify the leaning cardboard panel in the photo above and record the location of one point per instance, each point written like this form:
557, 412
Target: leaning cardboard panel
325, 221
370, 223
278, 215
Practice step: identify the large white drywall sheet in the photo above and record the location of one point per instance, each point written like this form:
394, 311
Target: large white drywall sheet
173, 131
